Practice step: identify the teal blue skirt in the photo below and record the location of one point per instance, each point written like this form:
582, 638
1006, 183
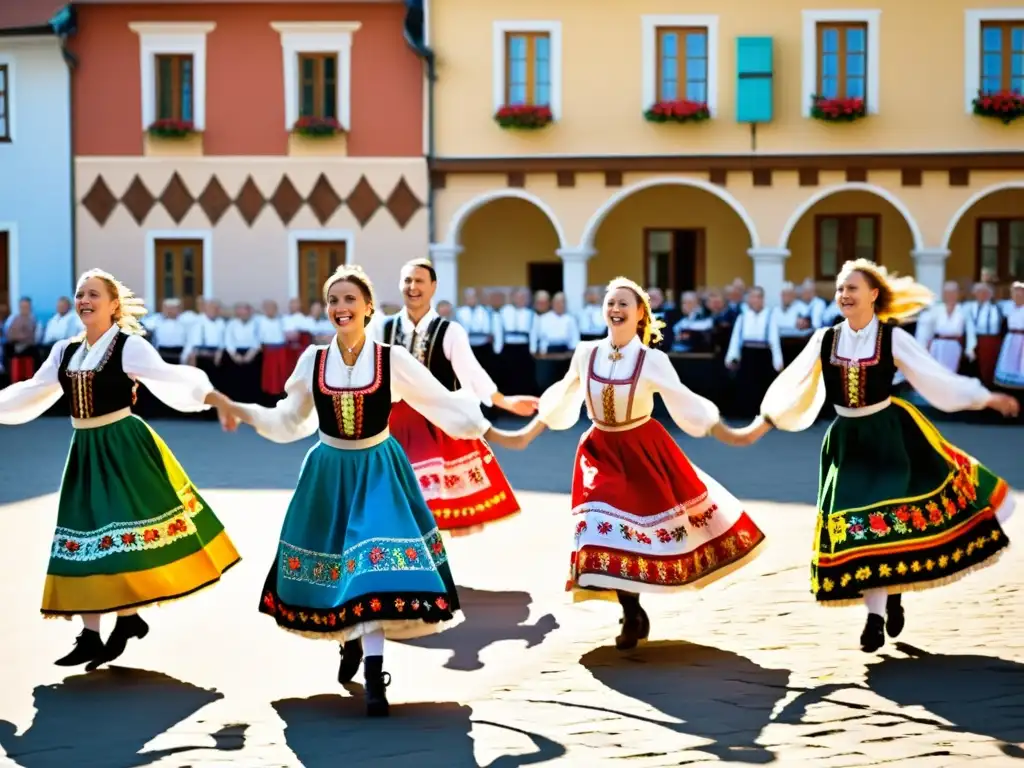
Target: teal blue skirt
360, 550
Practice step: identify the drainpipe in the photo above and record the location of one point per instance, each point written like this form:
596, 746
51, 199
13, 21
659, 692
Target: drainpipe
415, 36
64, 24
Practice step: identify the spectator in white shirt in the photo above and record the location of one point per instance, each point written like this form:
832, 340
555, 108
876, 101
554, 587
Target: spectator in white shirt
556, 336
242, 365
755, 353
318, 326
591, 317
63, 325
205, 346
274, 353
445, 309
517, 321
944, 330
169, 334
692, 332
989, 325
812, 307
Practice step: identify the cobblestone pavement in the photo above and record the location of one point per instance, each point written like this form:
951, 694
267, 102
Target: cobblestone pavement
748, 672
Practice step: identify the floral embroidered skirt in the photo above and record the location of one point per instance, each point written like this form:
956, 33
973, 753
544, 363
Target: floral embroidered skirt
360, 551
460, 479
900, 508
647, 520
131, 528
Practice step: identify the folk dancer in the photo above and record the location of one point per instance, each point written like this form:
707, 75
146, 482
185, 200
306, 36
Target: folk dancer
242, 364
755, 353
899, 507
518, 320
944, 330
360, 557
132, 530
276, 364
590, 319
646, 519
1010, 367
987, 321
460, 478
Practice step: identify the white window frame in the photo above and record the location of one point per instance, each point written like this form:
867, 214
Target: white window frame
872, 18
152, 235
973, 19
158, 38
649, 48
298, 37
296, 236
8, 60
500, 57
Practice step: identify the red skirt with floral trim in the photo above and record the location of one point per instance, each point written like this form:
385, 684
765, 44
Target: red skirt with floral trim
460, 479
649, 521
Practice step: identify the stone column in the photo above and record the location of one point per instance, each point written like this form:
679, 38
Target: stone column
930, 268
574, 275
445, 258
770, 272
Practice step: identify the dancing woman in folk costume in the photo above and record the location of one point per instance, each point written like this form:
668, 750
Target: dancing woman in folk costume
899, 508
132, 530
460, 479
646, 520
360, 556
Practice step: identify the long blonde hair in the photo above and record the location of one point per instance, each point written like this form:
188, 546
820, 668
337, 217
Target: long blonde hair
899, 298
649, 327
129, 306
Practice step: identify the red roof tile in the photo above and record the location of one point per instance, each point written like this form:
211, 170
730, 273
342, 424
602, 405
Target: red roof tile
25, 14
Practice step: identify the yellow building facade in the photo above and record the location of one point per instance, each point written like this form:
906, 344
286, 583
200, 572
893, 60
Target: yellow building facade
764, 189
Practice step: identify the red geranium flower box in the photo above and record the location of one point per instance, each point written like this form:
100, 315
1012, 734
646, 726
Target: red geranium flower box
678, 111
837, 110
317, 127
528, 116
1005, 106
168, 128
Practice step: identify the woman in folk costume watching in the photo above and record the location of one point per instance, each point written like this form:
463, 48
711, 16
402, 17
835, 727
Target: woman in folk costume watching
899, 508
460, 479
646, 520
132, 530
360, 556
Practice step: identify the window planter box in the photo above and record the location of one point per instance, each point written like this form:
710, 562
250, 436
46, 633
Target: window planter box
837, 110
1004, 106
680, 111
317, 127
524, 117
171, 129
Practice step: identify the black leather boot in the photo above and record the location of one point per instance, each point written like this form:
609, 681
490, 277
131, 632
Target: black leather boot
377, 681
88, 645
873, 636
636, 626
351, 656
895, 619
126, 628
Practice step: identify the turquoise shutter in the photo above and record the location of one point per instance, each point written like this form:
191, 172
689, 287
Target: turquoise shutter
754, 79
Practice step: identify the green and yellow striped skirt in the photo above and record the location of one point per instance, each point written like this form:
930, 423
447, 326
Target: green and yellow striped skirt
131, 528
900, 508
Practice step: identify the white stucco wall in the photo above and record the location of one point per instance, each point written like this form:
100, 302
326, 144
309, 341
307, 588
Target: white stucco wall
35, 172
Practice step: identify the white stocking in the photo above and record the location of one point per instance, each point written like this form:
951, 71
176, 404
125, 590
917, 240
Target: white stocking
373, 643
875, 600
91, 621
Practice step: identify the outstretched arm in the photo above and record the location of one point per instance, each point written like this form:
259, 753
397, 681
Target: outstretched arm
27, 400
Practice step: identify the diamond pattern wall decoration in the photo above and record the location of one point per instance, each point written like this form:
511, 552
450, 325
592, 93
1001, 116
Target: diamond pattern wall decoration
100, 201
177, 199
214, 201
250, 201
138, 200
323, 200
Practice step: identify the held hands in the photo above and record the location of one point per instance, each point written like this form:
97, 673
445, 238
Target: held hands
1005, 404
520, 405
515, 440
744, 437
227, 412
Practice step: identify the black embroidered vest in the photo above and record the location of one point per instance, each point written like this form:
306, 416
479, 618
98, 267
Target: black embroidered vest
858, 383
105, 389
353, 414
428, 348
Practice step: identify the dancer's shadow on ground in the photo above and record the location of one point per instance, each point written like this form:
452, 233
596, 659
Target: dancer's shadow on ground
104, 718
719, 696
981, 695
490, 618
321, 730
